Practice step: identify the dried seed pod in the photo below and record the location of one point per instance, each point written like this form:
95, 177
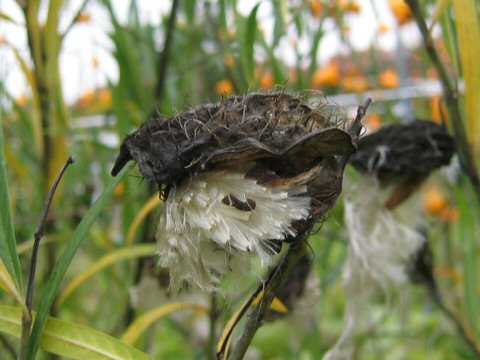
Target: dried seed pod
397, 151
239, 177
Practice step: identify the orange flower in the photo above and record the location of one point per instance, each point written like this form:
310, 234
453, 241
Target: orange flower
389, 79
326, 76
355, 83
447, 273
434, 202
267, 81
349, 6
21, 100
373, 122
86, 98
401, 11
95, 61
119, 189
228, 59
224, 87
450, 214
83, 17
316, 7
105, 97
2, 40
437, 108
383, 28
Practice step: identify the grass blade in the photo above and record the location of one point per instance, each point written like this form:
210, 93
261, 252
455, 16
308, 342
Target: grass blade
125, 253
64, 261
8, 244
468, 33
139, 326
70, 340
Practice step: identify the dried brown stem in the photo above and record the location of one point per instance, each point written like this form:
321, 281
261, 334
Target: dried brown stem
27, 321
255, 317
450, 94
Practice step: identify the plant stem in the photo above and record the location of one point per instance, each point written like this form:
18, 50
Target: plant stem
450, 94
276, 279
27, 320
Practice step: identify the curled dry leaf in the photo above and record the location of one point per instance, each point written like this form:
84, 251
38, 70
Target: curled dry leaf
239, 177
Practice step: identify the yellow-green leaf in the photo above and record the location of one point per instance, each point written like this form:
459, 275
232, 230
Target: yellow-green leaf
439, 10
138, 327
71, 340
468, 32
151, 204
107, 260
7, 284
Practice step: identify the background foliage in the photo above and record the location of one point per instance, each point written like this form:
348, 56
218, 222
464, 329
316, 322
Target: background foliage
99, 235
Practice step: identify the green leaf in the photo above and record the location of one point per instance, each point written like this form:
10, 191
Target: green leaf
247, 48
78, 236
8, 18
125, 253
141, 324
468, 34
71, 340
8, 243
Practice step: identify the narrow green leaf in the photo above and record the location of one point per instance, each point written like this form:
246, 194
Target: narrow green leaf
439, 11
125, 253
8, 243
71, 340
141, 324
78, 236
467, 235
7, 18
247, 48
468, 34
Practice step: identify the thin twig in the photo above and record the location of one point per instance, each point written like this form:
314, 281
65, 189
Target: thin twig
462, 329
27, 321
255, 318
450, 94
355, 128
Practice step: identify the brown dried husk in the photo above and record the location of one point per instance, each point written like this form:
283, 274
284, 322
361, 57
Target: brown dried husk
283, 140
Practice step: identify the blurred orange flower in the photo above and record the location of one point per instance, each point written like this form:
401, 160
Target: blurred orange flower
228, 59
95, 61
86, 98
450, 214
328, 75
2, 40
355, 83
401, 11
83, 17
434, 202
21, 100
267, 81
316, 7
119, 189
437, 108
372, 122
383, 28
349, 6
389, 79
224, 87
105, 97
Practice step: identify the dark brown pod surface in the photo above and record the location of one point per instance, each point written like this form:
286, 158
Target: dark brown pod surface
236, 130
404, 150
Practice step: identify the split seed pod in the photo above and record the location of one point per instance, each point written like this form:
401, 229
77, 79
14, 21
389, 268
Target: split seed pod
239, 176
